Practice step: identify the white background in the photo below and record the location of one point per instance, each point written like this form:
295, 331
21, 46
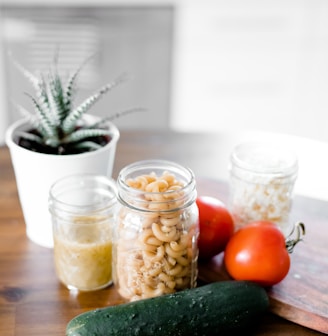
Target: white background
252, 65
240, 65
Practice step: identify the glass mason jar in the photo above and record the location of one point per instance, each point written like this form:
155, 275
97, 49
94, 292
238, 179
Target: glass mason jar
83, 209
262, 178
155, 244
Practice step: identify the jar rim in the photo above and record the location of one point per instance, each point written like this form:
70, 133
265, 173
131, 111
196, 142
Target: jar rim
60, 197
146, 167
264, 158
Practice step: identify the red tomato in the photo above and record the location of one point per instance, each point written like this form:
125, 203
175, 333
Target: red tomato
257, 252
216, 226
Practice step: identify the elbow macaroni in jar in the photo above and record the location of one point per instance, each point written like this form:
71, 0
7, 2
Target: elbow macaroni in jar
155, 245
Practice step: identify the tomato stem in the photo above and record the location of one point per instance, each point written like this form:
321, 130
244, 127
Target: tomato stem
299, 229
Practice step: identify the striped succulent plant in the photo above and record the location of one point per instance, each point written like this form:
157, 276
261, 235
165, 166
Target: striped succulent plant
57, 126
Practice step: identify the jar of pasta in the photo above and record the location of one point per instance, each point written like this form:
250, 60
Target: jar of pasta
83, 208
155, 241
262, 177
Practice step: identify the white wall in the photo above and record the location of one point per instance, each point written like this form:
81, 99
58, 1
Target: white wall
240, 65
3, 104
255, 64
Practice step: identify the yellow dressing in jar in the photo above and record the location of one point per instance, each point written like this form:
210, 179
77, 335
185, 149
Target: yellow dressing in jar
84, 262
83, 215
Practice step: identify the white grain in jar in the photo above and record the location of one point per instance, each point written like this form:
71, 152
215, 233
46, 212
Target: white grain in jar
262, 178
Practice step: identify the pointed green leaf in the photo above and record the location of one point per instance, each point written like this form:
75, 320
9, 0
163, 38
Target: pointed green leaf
34, 80
70, 122
56, 99
71, 88
89, 145
85, 133
103, 121
30, 136
45, 127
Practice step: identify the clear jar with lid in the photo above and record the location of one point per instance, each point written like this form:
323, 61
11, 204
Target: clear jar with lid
262, 178
155, 238
83, 209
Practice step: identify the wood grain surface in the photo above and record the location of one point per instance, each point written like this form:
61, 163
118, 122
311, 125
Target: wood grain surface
302, 297
34, 303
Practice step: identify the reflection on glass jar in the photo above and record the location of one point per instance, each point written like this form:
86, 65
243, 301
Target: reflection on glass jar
155, 245
83, 211
262, 178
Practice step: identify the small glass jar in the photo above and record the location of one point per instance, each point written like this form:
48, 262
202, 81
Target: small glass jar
155, 244
83, 210
262, 178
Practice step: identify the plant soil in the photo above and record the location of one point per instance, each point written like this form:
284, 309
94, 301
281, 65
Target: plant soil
64, 149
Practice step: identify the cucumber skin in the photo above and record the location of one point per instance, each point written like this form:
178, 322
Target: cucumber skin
215, 309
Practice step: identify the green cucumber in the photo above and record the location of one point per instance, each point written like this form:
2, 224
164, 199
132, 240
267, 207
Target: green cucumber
215, 309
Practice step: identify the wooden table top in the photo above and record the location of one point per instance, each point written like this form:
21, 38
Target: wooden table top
32, 301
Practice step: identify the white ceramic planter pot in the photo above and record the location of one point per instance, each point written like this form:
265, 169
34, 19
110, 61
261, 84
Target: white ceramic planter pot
36, 172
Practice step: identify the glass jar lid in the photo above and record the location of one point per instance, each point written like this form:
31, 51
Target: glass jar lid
265, 158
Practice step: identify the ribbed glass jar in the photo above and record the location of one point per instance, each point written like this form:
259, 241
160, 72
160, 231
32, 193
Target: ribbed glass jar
83, 209
262, 178
155, 238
